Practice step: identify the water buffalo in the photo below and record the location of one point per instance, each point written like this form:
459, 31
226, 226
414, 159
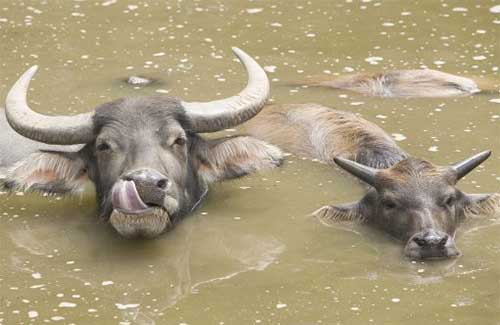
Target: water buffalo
148, 164
409, 198
400, 83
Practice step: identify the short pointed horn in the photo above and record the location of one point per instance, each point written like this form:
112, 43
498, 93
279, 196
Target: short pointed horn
365, 173
64, 130
464, 167
229, 112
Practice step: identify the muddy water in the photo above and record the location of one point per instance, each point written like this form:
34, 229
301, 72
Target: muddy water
250, 254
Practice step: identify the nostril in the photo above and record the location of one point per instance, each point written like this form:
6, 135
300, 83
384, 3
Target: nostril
162, 183
420, 242
443, 241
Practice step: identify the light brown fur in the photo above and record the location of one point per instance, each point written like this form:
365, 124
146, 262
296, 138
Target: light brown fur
236, 157
54, 171
319, 132
331, 215
413, 169
400, 83
488, 207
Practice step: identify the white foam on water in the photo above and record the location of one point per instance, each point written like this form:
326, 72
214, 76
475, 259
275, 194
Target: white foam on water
66, 304
495, 9
108, 3
254, 10
126, 306
270, 68
374, 59
32, 314
398, 136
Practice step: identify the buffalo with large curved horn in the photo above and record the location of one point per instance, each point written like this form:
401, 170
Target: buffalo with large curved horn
225, 113
148, 164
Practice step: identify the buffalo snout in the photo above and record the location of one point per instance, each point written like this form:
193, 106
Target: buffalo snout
431, 244
151, 185
143, 202
137, 191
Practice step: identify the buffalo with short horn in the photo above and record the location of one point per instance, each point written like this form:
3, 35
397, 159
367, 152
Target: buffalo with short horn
144, 155
409, 198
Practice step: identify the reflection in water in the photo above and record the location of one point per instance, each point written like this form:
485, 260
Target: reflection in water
179, 261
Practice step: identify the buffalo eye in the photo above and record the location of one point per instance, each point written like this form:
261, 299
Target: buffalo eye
389, 204
103, 146
180, 141
449, 201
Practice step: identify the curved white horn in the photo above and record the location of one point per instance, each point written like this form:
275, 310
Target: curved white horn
64, 130
225, 113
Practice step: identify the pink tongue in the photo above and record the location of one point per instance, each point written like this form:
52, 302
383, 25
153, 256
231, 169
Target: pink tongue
124, 197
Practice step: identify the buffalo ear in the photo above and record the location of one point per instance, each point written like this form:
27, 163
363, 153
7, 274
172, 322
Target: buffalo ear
481, 204
233, 157
48, 172
330, 214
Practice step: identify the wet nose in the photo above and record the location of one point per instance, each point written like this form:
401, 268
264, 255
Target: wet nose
431, 239
147, 177
150, 184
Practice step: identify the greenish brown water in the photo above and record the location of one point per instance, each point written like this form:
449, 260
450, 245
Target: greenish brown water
250, 254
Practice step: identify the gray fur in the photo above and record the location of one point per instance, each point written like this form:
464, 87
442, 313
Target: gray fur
132, 134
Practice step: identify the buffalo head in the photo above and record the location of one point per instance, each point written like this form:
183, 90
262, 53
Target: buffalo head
417, 202
144, 154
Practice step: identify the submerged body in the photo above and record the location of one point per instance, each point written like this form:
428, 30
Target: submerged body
401, 83
409, 198
319, 132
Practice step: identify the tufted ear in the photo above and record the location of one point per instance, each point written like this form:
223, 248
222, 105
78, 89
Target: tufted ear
330, 214
233, 157
481, 204
48, 172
